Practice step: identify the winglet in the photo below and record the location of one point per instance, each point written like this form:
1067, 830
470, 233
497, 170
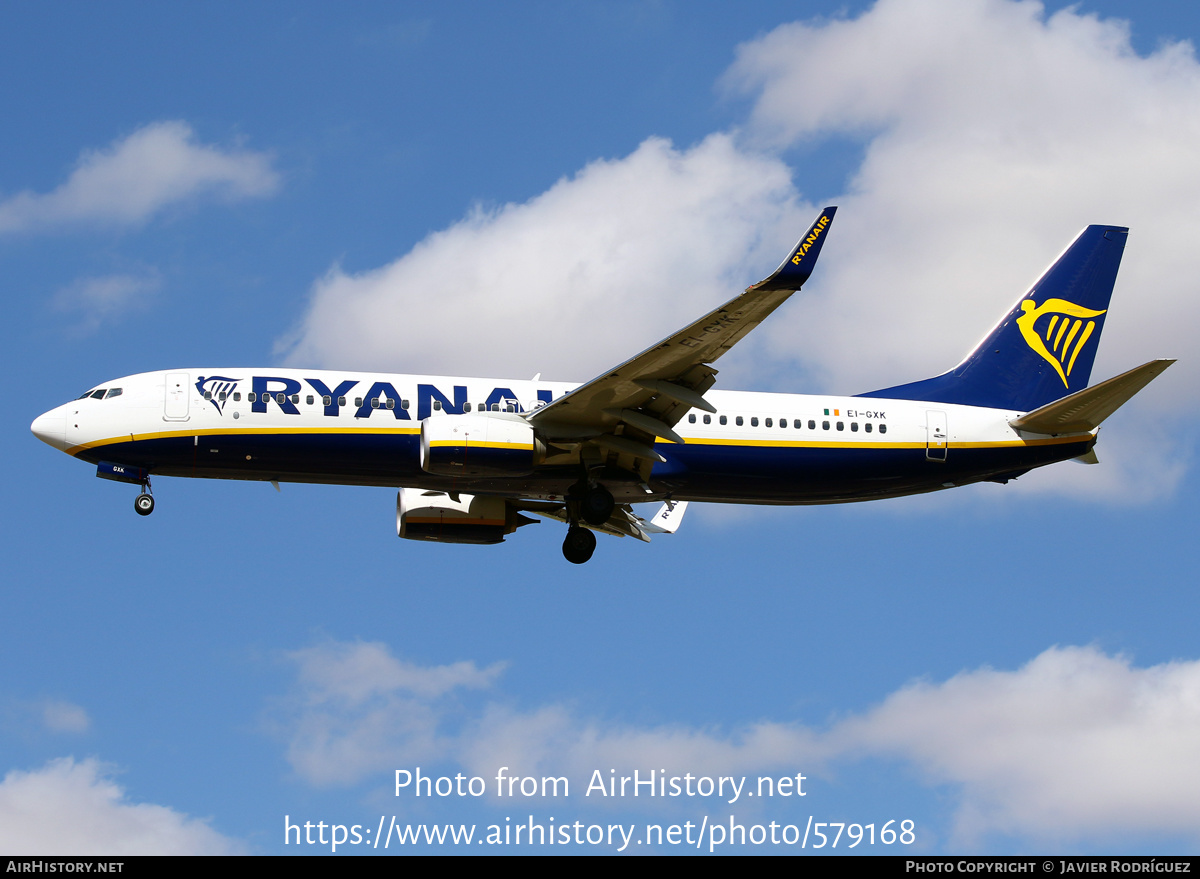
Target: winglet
667, 520
798, 266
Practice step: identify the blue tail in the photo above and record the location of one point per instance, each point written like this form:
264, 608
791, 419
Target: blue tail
1044, 348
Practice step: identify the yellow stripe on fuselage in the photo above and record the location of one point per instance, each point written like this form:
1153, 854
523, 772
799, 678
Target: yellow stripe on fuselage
817, 444
240, 431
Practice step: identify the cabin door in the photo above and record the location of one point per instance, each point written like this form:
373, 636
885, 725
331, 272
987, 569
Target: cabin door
177, 395
937, 440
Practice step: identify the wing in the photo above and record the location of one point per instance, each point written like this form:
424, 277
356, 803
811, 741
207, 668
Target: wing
624, 410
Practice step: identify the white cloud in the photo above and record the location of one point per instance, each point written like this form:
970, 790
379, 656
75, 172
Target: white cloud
570, 282
64, 717
138, 176
357, 707
1074, 745
100, 300
992, 135
75, 808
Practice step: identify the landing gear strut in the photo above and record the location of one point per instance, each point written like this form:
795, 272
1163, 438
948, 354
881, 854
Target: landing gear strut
579, 545
593, 503
144, 502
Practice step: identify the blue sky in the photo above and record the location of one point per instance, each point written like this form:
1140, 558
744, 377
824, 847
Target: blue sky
1014, 668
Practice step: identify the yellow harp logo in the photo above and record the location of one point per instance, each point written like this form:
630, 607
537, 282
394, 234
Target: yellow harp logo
1069, 325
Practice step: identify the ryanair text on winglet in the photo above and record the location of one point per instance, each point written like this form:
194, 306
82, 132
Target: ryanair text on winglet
808, 242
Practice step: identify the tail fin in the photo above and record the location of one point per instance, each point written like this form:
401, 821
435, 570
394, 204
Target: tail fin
1044, 348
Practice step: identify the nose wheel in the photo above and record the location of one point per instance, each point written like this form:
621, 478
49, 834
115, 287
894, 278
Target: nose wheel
143, 504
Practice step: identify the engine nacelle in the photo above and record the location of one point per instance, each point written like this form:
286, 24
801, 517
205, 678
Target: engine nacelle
436, 516
487, 444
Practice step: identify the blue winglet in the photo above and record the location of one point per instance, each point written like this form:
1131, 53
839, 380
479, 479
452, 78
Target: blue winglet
798, 266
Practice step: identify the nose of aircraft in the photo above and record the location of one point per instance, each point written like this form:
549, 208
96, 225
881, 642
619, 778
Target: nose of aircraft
51, 428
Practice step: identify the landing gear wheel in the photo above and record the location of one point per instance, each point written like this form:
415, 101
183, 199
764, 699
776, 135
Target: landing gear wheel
579, 545
596, 506
144, 504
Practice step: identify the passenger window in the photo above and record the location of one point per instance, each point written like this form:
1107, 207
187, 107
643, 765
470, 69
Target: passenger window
495, 407
883, 428
280, 398
824, 425
358, 402
738, 421
237, 396
708, 419
295, 398
841, 426
812, 425
770, 423
797, 423
754, 421
466, 406
724, 420
221, 396
391, 404
326, 400
208, 395
341, 401
867, 427
854, 427
692, 419
437, 405
252, 397
404, 404
783, 422
374, 402
309, 399
113, 392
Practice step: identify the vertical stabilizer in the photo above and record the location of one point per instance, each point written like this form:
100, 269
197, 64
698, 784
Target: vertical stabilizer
1044, 347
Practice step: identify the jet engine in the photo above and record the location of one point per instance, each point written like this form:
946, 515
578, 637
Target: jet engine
460, 518
487, 444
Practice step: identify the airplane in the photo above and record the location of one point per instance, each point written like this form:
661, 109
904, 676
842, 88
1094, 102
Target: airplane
473, 456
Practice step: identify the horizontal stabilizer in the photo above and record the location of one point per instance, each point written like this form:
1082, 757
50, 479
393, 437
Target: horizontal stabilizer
1085, 410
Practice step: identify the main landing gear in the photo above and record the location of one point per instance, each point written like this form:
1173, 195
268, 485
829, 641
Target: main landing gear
143, 504
579, 545
594, 504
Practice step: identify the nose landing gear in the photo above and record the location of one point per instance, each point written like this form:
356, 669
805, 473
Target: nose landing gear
143, 504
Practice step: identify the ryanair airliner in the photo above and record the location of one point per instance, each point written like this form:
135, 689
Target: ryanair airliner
475, 456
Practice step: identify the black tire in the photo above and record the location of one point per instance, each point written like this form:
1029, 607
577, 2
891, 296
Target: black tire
597, 505
579, 545
144, 504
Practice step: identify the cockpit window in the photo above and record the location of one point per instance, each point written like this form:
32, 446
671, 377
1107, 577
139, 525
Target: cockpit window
113, 392
84, 395
98, 395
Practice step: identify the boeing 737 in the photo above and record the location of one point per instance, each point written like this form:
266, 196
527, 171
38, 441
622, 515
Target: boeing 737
473, 457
